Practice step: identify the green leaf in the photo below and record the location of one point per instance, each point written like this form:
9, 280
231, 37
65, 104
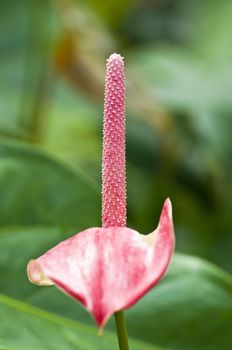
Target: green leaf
184, 82
190, 309
111, 12
23, 327
213, 32
25, 36
73, 129
37, 189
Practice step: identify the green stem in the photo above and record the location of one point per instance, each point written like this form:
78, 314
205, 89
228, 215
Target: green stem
121, 330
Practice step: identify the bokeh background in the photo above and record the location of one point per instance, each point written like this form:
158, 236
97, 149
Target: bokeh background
178, 56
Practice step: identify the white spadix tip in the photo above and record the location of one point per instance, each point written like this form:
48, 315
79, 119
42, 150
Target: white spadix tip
115, 57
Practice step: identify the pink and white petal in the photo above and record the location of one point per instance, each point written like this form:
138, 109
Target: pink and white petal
109, 269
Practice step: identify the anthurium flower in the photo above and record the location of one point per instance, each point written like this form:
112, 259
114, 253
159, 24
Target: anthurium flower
109, 268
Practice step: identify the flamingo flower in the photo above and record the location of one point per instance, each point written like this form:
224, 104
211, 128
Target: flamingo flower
109, 268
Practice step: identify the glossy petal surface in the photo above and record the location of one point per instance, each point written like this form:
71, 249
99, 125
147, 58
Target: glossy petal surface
108, 269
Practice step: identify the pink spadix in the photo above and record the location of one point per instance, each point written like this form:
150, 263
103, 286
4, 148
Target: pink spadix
108, 269
113, 157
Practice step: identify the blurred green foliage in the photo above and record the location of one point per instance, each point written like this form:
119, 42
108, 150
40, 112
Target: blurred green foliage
178, 58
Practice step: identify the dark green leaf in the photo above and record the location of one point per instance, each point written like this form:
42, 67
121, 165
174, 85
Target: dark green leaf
23, 327
37, 189
190, 309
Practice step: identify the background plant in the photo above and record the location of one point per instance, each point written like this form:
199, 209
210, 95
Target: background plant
52, 59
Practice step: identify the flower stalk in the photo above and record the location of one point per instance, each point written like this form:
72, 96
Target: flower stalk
121, 330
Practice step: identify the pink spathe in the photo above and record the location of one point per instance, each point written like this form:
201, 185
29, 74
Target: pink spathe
107, 269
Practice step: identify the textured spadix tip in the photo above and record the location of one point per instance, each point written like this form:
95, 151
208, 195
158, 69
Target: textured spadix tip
115, 57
